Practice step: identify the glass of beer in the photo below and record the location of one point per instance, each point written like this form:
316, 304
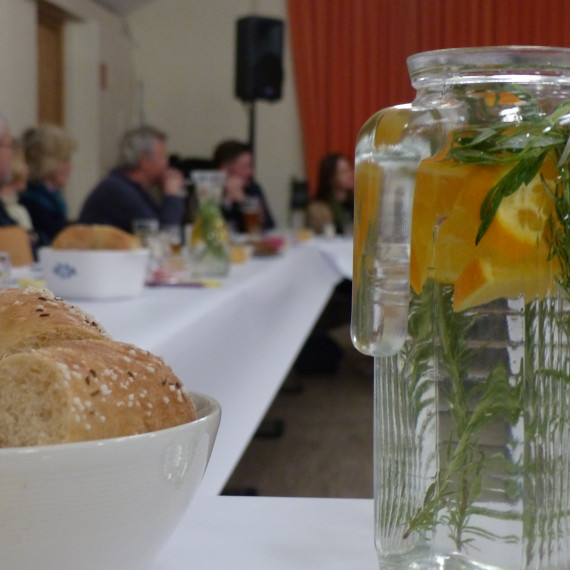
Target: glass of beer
251, 209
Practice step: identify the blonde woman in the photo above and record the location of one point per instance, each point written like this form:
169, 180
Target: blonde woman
47, 150
15, 183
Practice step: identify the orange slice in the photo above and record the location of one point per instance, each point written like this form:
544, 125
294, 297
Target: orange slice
455, 240
485, 280
367, 188
512, 257
501, 99
390, 125
446, 219
439, 183
519, 225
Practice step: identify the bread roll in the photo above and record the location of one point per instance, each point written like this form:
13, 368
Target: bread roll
85, 390
85, 236
31, 318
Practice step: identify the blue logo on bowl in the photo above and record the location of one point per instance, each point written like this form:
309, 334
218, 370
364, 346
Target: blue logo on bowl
64, 270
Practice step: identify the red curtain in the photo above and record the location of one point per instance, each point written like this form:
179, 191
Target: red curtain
349, 56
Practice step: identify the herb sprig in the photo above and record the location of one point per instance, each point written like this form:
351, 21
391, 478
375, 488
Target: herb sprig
212, 230
452, 498
526, 145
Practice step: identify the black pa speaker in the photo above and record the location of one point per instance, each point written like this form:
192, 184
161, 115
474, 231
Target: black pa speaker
259, 55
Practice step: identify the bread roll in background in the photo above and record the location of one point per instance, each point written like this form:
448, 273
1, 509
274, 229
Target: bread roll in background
85, 390
94, 236
31, 318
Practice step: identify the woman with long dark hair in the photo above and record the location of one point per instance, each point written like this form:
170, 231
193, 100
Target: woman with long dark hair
333, 205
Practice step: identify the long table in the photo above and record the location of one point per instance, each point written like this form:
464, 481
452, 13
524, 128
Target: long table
260, 533
235, 342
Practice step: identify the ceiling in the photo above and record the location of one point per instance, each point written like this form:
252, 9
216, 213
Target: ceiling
122, 6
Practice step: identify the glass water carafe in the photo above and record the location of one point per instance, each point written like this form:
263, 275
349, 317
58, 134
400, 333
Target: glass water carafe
461, 291
209, 238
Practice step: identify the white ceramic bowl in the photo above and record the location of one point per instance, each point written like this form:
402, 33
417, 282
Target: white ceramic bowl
101, 505
94, 274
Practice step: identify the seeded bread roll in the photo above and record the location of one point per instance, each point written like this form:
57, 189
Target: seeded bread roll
31, 318
94, 236
86, 390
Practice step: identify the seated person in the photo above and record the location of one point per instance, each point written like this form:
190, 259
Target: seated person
6, 154
333, 204
47, 151
10, 190
236, 160
5, 219
126, 195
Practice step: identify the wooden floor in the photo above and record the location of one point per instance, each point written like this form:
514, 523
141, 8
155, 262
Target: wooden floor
326, 447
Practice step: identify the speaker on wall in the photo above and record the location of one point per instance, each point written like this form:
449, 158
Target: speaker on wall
259, 55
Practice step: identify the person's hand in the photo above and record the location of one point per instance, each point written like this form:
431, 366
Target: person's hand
172, 182
234, 190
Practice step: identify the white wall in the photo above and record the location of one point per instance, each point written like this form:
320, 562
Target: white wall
18, 62
95, 118
95, 114
185, 59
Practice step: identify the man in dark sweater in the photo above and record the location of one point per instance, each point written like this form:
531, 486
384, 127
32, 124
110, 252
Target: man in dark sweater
126, 193
236, 160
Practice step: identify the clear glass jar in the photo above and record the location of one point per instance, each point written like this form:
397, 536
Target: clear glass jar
209, 242
461, 290
209, 238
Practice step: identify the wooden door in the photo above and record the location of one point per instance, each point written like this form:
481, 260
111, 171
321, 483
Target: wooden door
51, 21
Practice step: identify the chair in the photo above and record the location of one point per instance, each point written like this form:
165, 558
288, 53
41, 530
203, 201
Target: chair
188, 164
16, 241
298, 203
299, 194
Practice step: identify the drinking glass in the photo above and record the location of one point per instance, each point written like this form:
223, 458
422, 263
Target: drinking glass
209, 184
171, 237
251, 209
5, 270
147, 230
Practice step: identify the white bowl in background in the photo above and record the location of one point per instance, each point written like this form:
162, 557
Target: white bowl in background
109, 504
94, 274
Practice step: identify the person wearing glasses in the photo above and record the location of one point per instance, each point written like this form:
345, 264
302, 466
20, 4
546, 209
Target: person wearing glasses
10, 189
6, 155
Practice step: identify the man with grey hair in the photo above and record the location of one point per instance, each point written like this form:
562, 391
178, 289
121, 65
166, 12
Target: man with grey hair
126, 193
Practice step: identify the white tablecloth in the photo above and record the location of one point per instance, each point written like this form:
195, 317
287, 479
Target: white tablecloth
236, 342
338, 250
268, 533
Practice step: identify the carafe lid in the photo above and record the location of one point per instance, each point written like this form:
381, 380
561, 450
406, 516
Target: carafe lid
507, 64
